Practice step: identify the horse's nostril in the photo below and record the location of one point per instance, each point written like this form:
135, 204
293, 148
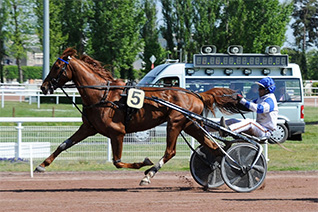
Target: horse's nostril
44, 90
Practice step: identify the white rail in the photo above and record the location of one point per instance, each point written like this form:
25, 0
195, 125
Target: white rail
20, 120
18, 139
29, 93
19, 127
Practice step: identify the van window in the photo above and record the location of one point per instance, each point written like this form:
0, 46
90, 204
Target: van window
167, 82
287, 90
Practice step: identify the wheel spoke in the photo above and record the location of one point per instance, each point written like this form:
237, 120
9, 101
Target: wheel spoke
259, 168
212, 178
235, 180
232, 164
250, 179
238, 156
248, 156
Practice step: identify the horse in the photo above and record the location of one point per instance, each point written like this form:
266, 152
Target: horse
105, 110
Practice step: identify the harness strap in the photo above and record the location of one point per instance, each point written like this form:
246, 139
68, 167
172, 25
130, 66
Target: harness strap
76, 106
106, 92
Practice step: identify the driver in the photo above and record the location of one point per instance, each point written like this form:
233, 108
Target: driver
265, 106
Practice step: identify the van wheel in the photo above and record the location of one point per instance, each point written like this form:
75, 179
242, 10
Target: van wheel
280, 134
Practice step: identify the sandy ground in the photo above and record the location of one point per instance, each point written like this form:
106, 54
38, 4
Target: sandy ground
169, 191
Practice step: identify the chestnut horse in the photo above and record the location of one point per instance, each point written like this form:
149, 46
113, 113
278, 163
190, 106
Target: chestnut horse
105, 110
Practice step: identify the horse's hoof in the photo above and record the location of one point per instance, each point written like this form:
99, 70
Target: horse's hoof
148, 162
39, 169
144, 182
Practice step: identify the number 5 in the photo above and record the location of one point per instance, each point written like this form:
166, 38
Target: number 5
135, 98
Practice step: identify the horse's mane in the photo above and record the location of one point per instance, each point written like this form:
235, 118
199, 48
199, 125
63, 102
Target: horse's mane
97, 67
90, 62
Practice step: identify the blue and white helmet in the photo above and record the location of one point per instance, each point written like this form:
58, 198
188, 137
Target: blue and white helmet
268, 83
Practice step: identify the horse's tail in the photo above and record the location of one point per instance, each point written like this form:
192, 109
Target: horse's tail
221, 98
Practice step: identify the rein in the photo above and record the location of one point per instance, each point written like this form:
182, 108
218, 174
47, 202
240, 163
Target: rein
55, 83
106, 88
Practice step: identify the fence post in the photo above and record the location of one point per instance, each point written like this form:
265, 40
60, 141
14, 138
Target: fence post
19, 141
109, 150
31, 161
38, 98
2, 99
73, 99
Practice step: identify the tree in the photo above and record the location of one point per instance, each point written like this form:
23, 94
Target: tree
74, 18
305, 29
184, 26
149, 33
20, 28
115, 34
306, 23
169, 19
254, 24
312, 56
207, 14
57, 39
3, 22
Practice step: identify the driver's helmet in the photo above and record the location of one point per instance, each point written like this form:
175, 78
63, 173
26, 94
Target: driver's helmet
268, 83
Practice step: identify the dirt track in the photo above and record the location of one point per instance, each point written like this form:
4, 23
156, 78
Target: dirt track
169, 191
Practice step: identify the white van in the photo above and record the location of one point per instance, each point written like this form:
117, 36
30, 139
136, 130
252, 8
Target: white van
239, 72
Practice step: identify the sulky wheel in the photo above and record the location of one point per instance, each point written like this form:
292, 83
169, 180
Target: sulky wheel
239, 175
205, 167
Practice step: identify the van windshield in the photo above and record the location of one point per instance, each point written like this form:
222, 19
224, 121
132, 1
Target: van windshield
148, 79
287, 90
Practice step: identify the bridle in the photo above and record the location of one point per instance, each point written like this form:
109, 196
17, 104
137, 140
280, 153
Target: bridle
55, 81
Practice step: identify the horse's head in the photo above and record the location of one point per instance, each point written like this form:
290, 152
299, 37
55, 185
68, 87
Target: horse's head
60, 72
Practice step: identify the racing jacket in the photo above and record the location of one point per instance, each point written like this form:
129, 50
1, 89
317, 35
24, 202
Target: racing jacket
266, 109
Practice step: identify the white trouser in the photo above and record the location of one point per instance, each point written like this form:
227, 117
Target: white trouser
248, 126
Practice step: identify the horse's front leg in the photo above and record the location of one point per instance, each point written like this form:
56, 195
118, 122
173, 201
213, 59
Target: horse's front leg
117, 148
83, 132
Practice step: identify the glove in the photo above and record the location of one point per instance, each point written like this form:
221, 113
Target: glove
237, 96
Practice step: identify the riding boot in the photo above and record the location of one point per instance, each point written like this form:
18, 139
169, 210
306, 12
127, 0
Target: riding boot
223, 124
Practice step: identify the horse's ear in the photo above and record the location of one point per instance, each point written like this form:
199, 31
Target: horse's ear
69, 52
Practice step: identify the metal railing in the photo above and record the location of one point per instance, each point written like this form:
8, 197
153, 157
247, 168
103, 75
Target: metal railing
18, 141
34, 95
22, 93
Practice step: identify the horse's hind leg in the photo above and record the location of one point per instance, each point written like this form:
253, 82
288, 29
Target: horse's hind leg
83, 132
172, 135
117, 148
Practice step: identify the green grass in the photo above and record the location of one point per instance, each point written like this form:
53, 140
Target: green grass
304, 155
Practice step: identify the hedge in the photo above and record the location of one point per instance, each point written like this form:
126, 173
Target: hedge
29, 72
